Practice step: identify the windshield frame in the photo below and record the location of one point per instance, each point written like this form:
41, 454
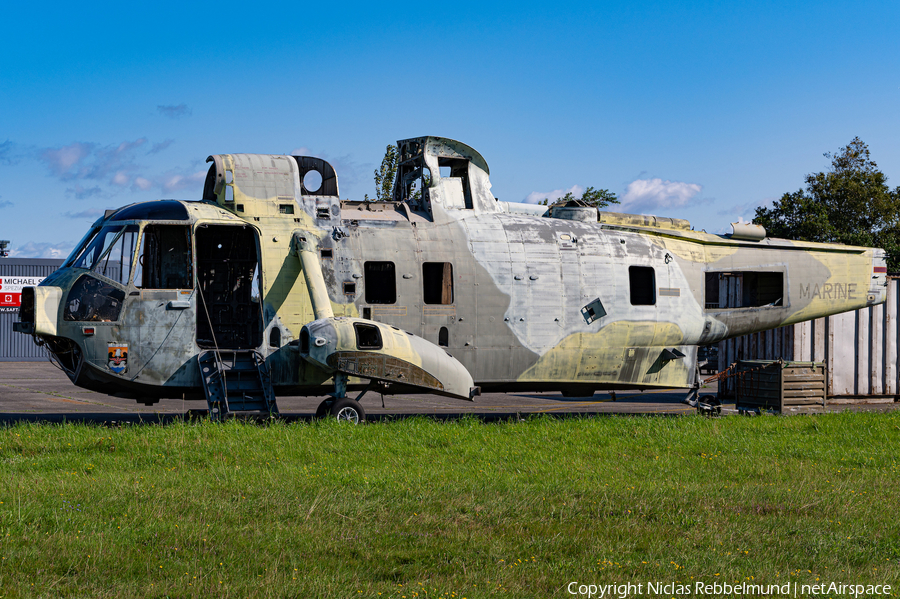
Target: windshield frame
81, 245
117, 228
102, 262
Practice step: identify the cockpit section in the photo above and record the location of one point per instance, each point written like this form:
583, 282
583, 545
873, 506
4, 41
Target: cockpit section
108, 253
118, 255
125, 302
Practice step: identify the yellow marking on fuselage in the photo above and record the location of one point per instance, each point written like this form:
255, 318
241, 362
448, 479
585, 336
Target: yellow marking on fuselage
602, 356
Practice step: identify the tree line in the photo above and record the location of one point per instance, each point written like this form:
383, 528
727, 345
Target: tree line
850, 203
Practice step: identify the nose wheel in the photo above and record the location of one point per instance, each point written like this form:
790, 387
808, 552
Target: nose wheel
344, 410
348, 410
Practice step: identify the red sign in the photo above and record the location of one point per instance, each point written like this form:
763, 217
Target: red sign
13, 300
11, 289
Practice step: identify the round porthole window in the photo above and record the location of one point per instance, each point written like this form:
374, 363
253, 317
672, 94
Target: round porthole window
312, 181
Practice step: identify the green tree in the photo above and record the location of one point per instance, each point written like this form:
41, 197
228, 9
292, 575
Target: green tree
384, 176
599, 198
850, 203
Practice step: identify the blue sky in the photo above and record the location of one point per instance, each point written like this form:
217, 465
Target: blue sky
699, 110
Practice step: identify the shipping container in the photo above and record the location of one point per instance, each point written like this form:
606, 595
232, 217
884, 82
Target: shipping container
858, 349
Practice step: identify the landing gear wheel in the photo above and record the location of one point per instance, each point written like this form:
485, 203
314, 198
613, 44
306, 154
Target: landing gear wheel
323, 410
349, 410
713, 403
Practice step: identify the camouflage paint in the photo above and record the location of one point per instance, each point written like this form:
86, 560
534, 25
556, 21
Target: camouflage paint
520, 283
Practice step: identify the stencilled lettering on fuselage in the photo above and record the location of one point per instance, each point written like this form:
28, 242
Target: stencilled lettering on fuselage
829, 291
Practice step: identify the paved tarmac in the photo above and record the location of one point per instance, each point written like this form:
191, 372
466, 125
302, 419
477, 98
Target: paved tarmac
40, 391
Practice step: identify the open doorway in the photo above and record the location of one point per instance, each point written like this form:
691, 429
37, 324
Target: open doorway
229, 314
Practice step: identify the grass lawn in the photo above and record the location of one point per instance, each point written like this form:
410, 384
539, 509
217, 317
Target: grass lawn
417, 508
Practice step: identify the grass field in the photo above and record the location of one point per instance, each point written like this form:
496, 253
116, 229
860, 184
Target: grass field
417, 508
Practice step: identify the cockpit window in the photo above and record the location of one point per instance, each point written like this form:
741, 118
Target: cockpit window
115, 264
164, 258
88, 237
98, 246
92, 300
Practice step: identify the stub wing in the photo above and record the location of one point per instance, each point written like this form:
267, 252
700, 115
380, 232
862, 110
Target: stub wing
370, 350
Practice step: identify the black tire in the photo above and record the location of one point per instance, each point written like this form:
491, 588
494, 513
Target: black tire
713, 402
323, 410
349, 410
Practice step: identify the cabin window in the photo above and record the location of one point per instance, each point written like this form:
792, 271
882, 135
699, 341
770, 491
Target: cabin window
457, 168
744, 289
711, 300
381, 282
349, 288
304, 341
642, 282
367, 336
275, 337
164, 258
413, 183
437, 281
444, 337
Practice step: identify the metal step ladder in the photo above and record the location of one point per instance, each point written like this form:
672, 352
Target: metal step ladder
236, 382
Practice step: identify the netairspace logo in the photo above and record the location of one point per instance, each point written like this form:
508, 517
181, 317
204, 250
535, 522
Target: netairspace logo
723, 589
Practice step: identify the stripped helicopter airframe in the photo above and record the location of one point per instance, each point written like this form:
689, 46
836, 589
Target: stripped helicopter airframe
272, 285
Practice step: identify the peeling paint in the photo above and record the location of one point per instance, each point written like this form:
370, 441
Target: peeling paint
511, 314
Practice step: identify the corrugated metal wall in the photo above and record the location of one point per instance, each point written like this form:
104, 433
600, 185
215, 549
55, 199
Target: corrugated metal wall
15, 347
858, 348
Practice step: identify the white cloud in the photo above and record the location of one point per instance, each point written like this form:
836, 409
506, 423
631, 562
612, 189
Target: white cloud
83, 160
652, 194
42, 250
61, 160
142, 184
749, 208
176, 182
536, 197
120, 178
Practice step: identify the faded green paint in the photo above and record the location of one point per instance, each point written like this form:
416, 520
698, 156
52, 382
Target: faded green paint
520, 282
